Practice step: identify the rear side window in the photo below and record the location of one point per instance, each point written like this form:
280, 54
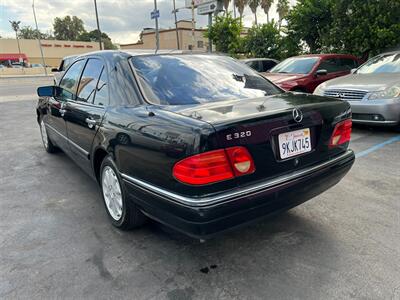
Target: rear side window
267, 65
69, 82
347, 63
89, 79
101, 97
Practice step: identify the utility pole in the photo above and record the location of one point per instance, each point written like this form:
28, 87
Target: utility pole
157, 32
98, 25
176, 26
209, 26
193, 25
38, 38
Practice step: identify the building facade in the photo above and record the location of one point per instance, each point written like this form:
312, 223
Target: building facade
168, 38
53, 50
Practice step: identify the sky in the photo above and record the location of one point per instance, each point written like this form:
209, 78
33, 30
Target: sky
122, 20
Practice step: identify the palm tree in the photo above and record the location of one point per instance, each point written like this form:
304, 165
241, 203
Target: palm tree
15, 27
253, 4
240, 4
226, 6
282, 9
266, 6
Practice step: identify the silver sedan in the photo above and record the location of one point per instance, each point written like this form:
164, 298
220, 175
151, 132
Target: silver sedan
373, 90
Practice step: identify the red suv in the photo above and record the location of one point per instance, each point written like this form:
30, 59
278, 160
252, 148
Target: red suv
304, 73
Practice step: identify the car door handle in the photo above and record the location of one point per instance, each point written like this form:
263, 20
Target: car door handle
91, 122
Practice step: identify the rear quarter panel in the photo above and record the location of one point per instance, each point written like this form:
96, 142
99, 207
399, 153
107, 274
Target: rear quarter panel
147, 147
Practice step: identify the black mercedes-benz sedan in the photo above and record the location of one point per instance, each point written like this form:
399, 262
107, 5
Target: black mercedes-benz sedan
198, 142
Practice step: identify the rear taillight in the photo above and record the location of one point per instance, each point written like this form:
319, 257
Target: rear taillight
341, 134
214, 166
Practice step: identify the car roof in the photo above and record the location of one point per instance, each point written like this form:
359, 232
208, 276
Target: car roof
327, 55
258, 59
108, 54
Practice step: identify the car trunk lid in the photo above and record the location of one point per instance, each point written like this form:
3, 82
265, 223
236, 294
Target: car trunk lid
257, 124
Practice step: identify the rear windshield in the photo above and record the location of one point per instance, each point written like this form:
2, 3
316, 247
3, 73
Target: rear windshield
386, 63
295, 65
191, 79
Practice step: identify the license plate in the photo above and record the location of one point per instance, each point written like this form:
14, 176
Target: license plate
294, 143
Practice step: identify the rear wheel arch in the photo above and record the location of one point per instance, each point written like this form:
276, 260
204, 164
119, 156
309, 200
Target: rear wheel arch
98, 157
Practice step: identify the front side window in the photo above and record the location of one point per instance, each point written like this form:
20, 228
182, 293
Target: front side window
331, 65
191, 79
295, 65
89, 79
69, 82
386, 63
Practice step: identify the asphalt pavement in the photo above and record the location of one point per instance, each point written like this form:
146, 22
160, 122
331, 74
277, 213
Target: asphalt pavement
56, 240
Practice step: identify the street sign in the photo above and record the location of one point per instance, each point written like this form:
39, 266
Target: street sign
209, 8
188, 3
155, 14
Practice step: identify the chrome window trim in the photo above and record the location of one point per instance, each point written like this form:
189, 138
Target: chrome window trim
83, 151
230, 196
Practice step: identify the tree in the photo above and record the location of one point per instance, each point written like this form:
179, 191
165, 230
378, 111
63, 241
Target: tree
27, 32
93, 36
363, 27
266, 6
282, 9
309, 21
15, 27
226, 6
240, 4
263, 41
253, 4
225, 33
358, 27
68, 28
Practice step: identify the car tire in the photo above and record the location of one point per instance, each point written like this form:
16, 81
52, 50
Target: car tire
47, 143
123, 213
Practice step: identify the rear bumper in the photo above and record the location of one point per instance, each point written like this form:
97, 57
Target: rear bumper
378, 112
204, 217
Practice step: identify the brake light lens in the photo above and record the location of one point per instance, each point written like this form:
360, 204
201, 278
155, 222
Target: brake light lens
214, 166
341, 134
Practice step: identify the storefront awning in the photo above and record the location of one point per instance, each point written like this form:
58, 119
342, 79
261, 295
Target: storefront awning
13, 56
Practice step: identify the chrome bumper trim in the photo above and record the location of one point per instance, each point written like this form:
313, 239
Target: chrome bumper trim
232, 195
374, 122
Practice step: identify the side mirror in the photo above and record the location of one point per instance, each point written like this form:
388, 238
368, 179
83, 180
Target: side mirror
321, 72
353, 71
49, 91
55, 70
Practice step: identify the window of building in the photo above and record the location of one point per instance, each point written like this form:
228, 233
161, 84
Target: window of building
200, 44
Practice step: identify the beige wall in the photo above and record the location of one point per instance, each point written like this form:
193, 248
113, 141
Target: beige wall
53, 50
168, 40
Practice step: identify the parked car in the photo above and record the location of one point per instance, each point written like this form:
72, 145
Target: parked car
199, 142
64, 64
304, 73
261, 64
373, 90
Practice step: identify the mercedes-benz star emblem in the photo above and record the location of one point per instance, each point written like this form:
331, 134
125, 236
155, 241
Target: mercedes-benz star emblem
297, 115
